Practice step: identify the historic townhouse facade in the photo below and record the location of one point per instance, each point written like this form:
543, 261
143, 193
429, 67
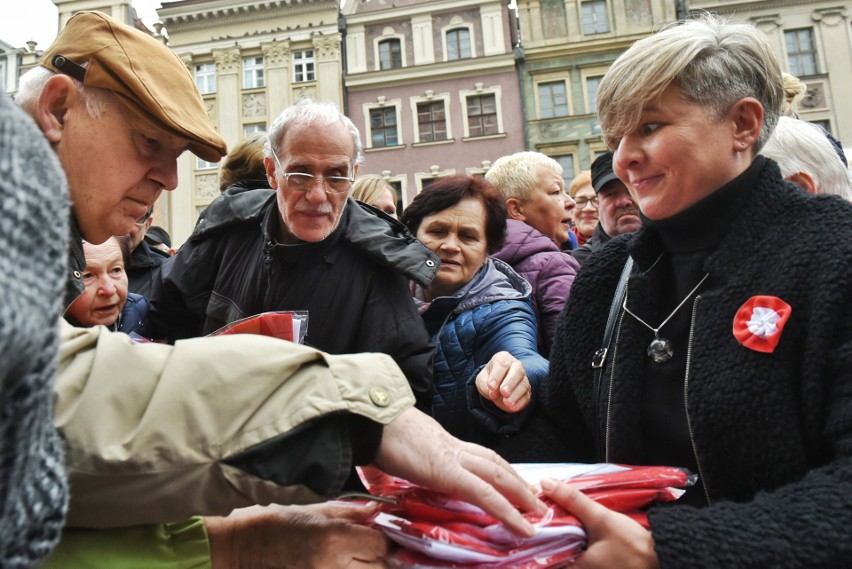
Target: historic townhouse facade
813, 40
433, 87
569, 44
567, 47
250, 60
444, 86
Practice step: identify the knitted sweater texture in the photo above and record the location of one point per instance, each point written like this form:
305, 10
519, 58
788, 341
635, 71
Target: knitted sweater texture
33, 237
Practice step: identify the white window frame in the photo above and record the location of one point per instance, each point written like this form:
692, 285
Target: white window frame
251, 128
497, 91
254, 74
301, 63
539, 108
368, 131
388, 35
594, 4
554, 75
205, 78
816, 54
456, 24
431, 98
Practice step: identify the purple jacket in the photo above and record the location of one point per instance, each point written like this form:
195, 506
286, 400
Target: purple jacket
550, 271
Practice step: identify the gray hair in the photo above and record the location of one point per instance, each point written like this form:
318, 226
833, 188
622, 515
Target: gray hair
306, 111
713, 62
516, 175
799, 146
33, 81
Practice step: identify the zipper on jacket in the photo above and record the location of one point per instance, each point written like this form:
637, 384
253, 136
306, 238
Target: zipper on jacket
267, 262
686, 400
609, 390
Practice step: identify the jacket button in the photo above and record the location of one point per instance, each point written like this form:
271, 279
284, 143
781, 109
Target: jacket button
380, 396
430, 263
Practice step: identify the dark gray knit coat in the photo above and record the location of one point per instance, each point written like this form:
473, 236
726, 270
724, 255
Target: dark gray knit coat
33, 237
772, 432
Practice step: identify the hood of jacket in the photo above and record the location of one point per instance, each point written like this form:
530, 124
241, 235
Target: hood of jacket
523, 241
496, 280
379, 236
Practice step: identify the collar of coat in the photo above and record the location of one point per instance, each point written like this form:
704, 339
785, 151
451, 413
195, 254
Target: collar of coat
379, 236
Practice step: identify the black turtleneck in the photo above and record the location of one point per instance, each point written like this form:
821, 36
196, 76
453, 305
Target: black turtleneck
683, 243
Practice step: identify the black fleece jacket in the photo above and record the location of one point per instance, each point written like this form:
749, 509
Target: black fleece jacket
771, 432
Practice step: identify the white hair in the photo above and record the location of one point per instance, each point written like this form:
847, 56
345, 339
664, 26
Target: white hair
33, 81
305, 111
800, 146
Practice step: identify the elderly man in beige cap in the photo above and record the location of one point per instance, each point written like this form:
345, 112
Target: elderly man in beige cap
158, 433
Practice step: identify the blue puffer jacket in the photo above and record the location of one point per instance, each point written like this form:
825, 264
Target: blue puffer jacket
134, 316
491, 313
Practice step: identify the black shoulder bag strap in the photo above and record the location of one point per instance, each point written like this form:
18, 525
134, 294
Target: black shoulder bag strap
599, 358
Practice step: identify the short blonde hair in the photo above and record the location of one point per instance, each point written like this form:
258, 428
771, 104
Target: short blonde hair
516, 175
713, 62
794, 90
584, 178
370, 187
244, 163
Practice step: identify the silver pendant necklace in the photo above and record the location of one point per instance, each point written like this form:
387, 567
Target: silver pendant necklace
660, 349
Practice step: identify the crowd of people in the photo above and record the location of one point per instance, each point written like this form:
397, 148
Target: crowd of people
684, 302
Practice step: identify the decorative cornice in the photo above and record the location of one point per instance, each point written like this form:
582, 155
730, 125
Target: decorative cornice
227, 60
184, 18
327, 47
830, 16
186, 58
276, 54
369, 80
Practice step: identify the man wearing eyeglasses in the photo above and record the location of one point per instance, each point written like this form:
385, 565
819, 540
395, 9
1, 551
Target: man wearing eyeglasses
617, 211
304, 244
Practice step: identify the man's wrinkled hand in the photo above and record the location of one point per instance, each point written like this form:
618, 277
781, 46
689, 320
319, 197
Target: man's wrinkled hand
415, 447
321, 536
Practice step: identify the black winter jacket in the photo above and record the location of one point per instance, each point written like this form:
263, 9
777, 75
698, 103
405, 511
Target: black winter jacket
595, 243
772, 432
354, 283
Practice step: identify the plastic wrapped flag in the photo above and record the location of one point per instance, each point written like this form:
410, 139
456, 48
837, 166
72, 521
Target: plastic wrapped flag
287, 325
438, 531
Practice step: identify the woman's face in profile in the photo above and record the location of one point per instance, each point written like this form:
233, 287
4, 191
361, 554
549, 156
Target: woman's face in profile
679, 154
457, 236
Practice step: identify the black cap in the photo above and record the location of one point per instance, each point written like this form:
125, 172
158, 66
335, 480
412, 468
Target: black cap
158, 236
602, 171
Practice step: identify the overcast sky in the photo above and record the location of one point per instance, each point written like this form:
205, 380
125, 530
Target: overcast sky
23, 20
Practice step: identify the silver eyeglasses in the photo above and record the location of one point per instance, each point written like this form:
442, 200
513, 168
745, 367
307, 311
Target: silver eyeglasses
302, 182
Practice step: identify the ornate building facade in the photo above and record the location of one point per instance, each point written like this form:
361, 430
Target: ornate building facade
569, 44
433, 87
250, 60
445, 86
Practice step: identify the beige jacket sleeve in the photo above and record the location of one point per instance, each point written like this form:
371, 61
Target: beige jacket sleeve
146, 425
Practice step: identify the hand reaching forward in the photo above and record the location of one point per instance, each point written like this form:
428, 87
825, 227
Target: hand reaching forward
614, 540
504, 382
321, 536
415, 447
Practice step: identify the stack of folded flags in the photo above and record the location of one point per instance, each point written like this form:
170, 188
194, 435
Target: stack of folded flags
437, 531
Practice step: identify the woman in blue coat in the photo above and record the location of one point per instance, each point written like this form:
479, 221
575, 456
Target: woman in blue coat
478, 312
